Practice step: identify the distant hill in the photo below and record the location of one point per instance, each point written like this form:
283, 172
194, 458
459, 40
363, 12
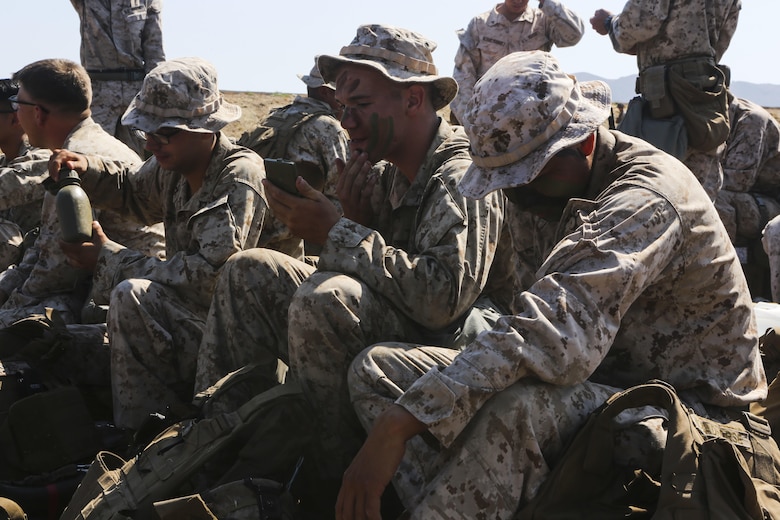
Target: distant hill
764, 94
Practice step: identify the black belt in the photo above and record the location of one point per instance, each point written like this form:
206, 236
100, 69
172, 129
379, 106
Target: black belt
117, 75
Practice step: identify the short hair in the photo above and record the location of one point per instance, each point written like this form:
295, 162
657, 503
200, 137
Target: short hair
8, 88
57, 83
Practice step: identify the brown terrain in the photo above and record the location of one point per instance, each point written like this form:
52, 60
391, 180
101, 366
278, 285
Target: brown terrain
256, 105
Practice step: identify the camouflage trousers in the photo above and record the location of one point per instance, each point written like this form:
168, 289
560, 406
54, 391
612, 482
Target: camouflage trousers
109, 102
247, 320
499, 461
268, 306
744, 214
11, 238
154, 339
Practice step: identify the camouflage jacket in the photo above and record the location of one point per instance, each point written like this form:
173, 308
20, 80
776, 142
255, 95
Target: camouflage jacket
44, 269
430, 249
201, 230
491, 36
21, 188
641, 283
659, 31
120, 34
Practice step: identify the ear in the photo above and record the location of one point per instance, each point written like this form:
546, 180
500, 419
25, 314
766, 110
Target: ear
415, 97
588, 145
41, 116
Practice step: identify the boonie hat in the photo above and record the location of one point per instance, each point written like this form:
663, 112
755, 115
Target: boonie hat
399, 54
524, 110
181, 93
314, 79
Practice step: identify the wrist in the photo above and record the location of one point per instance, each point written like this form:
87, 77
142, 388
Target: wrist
608, 23
397, 422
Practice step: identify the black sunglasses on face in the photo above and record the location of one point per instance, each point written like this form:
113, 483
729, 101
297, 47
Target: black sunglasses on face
15, 102
157, 137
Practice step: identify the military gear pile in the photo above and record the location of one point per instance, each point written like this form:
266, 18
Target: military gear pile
258, 445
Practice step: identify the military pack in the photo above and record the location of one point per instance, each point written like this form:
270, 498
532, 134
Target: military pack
271, 137
709, 469
264, 439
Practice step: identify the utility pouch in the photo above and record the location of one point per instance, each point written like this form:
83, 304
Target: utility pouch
700, 93
654, 89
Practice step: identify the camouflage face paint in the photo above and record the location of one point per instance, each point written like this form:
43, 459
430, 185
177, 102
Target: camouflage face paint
382, 133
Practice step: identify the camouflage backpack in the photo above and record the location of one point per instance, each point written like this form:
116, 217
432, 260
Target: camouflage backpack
271, 137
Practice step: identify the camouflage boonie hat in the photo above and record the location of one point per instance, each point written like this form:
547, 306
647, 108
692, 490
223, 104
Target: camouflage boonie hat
181, 93
524, 110
314, 79
401, 55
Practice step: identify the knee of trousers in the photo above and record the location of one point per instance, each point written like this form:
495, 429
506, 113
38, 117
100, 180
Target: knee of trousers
251, 267
325, 294
129, 290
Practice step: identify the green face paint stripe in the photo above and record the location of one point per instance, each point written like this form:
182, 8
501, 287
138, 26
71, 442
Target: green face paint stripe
376, 133
373, 121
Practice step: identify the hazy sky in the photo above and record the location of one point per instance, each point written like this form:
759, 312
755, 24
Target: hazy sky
261, 45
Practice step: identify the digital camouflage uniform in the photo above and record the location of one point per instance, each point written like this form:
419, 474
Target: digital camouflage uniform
318, 140
751, 172
121, 41
491, 36
43, 277
660, 32
21, 199
640, 282
158, 307
413, 274
771, 241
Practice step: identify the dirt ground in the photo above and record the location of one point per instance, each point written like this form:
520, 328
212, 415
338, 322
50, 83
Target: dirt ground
256, 105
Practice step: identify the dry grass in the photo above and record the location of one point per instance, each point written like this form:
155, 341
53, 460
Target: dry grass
255, 106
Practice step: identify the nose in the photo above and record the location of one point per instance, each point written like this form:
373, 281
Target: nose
348, 118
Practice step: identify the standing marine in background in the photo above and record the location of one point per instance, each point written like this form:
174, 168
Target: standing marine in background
121, 40
678, 48
509, 27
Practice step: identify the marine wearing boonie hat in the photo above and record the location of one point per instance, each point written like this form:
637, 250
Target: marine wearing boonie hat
401, 55
314, 79
181, 93
525, 110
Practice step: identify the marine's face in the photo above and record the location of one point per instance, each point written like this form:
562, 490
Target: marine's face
564, 176
514, 8
26, 114
373, 111
177, 150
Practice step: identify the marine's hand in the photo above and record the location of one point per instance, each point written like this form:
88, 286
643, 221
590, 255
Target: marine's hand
598, 21
84, 255
65, 158
355, 187
372, 468
309, 216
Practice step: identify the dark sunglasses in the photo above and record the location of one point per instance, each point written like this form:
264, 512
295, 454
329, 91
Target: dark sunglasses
15, 102
157, 137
